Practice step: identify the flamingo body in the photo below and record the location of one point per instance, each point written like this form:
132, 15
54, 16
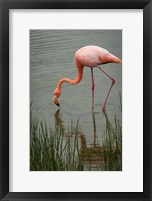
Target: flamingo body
92, 56
89, 56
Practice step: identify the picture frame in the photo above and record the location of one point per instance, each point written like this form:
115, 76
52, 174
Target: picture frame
4, 103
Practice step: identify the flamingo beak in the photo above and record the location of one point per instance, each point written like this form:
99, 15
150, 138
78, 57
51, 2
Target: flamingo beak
58, 104
55, 99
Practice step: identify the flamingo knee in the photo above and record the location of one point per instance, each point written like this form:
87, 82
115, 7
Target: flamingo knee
113, 81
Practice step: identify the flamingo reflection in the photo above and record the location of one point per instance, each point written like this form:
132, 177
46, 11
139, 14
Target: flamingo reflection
91, 154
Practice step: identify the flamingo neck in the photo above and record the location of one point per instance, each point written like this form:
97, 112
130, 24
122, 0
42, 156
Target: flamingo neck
72, 82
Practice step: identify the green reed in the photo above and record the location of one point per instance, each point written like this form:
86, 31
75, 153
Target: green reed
51, 151
55, 150
112, 145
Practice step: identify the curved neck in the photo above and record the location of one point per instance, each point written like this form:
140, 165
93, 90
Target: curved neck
77, 79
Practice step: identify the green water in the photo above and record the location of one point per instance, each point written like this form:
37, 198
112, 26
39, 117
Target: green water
51, 58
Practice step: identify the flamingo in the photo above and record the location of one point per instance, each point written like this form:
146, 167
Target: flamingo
90, 56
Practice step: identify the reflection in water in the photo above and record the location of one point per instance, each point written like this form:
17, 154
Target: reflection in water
90, 153
106, 116
94, 127
58, 121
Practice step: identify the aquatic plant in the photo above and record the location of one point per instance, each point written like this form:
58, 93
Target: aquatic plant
50, 150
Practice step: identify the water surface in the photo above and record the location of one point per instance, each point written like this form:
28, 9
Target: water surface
52, 58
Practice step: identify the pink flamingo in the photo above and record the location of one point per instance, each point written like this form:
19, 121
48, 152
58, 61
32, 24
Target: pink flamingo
89, 56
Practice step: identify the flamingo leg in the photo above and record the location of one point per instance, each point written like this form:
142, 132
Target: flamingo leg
93, 86
113, 82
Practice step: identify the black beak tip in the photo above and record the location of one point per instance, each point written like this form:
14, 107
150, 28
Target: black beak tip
58, 104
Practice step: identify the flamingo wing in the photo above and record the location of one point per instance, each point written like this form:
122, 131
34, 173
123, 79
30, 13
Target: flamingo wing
91, 56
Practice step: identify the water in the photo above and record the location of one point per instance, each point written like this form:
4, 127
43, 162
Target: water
52, 58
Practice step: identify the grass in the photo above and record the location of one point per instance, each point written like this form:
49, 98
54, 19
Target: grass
112, 146
50, 150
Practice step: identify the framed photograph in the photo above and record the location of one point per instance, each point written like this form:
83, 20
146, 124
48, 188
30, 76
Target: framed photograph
75, 106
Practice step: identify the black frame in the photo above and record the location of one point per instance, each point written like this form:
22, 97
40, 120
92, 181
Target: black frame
5, 5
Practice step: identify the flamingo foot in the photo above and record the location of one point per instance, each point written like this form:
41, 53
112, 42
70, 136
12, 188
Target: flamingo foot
103, 108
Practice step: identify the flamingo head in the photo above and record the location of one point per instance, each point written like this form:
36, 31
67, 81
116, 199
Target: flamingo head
56, 96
